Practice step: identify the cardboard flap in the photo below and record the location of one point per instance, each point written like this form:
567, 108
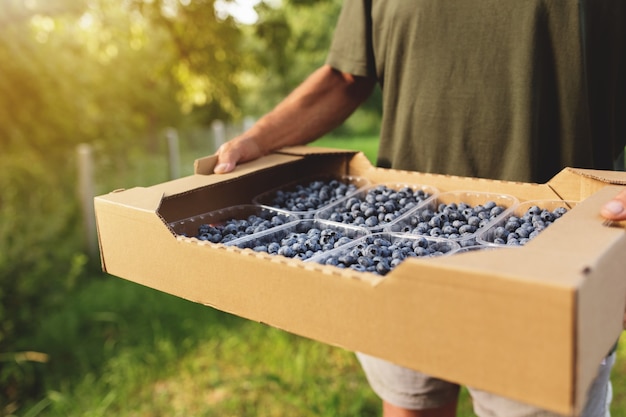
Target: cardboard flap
310, 150
139, 198
575, 184
205, 165
609, 177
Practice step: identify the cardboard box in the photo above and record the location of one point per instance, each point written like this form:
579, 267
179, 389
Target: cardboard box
529, 323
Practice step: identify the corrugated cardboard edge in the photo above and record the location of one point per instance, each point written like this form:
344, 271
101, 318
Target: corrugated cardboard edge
144, 200
611, 177
206, 165
589, 181
313, 150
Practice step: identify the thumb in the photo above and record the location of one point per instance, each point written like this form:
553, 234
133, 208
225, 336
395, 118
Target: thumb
223, 167
227, 158
615, 209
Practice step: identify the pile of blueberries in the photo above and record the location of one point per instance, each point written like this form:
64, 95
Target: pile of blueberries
302, 241
456, 221
379, 206
309, 196
517, 231
233, 228
379, 253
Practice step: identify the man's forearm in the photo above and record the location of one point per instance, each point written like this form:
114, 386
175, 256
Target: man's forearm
321, 103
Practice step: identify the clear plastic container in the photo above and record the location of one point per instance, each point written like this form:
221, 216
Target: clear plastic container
297, 198
232, 217
455, 215
378, 205
498, 232
381, 252
474, 248
301, 239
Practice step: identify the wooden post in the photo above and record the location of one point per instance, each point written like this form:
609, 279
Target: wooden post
248, 121
173, 152
86, 195
219, 133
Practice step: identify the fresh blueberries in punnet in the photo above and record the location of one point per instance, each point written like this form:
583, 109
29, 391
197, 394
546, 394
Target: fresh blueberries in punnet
456, 220
302, 241
309, 196
378, 206
233, 228
379, 253
519, 230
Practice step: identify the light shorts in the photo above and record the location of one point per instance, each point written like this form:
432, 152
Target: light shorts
413, 390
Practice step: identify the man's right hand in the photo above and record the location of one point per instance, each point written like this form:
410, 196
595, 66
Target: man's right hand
239, 149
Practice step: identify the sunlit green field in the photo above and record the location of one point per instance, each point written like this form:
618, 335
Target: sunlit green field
120, 349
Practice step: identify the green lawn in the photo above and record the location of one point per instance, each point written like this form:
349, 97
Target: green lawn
117, 348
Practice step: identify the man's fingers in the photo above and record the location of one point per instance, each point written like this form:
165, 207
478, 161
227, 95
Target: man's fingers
238, 150
227, 158
616, 208
224, 167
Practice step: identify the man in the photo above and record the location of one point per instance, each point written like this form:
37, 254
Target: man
502, 89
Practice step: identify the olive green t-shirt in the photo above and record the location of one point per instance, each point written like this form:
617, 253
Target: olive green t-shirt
502, 89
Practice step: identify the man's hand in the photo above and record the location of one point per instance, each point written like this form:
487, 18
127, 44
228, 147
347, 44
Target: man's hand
616, 208
239, 149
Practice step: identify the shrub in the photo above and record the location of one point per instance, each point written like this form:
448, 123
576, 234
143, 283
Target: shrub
40, 258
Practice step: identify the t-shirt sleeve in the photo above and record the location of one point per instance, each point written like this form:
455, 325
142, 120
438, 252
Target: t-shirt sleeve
351, 48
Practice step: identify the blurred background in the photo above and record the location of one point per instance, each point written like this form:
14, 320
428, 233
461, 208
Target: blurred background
97, 95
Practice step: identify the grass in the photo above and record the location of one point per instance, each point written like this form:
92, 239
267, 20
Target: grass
117, 348
121, 349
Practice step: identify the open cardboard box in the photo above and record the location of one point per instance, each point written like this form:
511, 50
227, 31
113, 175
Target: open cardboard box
529, 323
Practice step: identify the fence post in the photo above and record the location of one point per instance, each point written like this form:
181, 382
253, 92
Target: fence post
86, 195
219, 133
248, 121
173, 152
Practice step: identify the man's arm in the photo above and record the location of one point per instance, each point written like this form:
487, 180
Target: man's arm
318, 105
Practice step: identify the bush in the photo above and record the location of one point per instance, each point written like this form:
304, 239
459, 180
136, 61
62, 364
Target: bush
40, 258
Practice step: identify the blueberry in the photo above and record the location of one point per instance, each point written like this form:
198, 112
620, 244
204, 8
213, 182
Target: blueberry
371, 221
501, 232
273, 248
383, 267
467, 229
